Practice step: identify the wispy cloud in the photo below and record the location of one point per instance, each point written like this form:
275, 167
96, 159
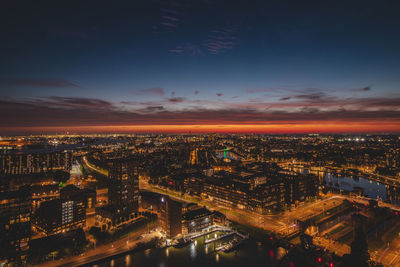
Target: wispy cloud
39, 83
169, 24
176, 99
366, 88
220, 40
188, 48
157, 91
215, 42
302, 90
77, 102
171, 13
171, 18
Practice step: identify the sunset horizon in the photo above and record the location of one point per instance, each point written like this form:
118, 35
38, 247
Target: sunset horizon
326, 128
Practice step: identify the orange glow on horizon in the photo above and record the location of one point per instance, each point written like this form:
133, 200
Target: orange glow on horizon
309, 127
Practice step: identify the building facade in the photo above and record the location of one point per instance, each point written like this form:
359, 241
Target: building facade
123, 196
34, 162
171, 216
63, 214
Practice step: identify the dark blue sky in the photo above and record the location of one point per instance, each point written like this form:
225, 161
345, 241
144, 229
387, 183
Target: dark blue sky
307, 60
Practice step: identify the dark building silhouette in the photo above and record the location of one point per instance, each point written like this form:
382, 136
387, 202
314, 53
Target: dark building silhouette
15, 224
171, 216
123, 192
60, 215
123, 196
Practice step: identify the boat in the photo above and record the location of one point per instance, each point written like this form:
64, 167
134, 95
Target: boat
182, 242
231, 245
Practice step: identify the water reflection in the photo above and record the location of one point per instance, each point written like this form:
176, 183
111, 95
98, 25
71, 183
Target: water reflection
367, 187
192, 251
128, 260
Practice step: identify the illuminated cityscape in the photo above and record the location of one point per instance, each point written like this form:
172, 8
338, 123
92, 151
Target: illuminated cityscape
106, 196
200, 133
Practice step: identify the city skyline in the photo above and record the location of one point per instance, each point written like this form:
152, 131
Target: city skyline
200, 66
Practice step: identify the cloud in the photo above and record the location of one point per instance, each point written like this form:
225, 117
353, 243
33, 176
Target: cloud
169, 24
366, 88
188, 48
220, 40
285, 98
150, 109
215, 42
40, 83
151, 91
311, 96
176, 99
67, 111
171, 18
77, 101
295, 90
260, 90
177, 51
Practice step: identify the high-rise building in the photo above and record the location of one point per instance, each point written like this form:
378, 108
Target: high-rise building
58, 215
123, 192
74, 203
171, 216
193, 158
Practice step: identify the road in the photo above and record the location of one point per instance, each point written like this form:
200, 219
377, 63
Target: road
390, 254
331, 245
93, 167
124, 244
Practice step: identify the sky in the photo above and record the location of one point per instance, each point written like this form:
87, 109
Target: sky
200, 66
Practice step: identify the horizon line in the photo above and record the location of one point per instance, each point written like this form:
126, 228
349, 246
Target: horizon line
326, 128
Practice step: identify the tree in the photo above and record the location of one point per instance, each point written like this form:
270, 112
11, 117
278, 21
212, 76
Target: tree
61, 176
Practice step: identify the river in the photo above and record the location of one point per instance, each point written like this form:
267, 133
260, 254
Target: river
250, 253
372, 189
